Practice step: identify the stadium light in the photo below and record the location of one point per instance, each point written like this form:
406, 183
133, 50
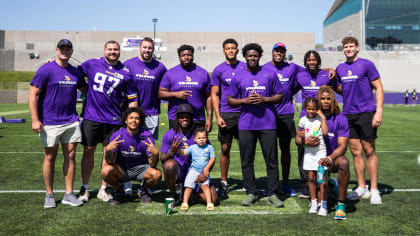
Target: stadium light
154, 20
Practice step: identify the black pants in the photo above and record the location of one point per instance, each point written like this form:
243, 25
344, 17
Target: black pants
303, 173
247, 145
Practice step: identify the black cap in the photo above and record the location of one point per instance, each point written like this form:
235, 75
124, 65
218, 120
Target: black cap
64, 43
184, 108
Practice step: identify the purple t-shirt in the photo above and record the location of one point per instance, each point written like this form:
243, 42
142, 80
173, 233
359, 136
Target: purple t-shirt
221, 76
109, 87
132, 152
355, 80
256, 116
196, 80
188, 140
147, 77
286, 74
337, 127
310, 84
57, 100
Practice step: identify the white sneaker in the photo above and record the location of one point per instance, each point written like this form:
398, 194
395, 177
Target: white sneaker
323, 211
359, 193
83, 194
375, 197
313, 208
104, 195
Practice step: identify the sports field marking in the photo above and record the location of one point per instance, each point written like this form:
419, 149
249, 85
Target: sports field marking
418, 159
13, 112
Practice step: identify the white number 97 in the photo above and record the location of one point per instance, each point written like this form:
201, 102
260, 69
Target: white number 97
100, 80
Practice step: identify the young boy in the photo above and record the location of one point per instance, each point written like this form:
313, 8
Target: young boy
203, 158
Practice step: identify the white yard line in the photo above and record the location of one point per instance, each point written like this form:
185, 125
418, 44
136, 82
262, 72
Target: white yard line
13, 112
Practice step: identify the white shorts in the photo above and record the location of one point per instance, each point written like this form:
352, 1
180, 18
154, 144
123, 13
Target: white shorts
192, 176
310, 160
52, 135
151, 123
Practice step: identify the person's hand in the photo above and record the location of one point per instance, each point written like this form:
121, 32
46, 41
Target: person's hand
326, 162
183, 94
37, 126
208, 125
176, 143
201, 178
377, 120
256, 98
331, 73
221, 122
114, 144
151, 147
49, 60
319, 112
312, 141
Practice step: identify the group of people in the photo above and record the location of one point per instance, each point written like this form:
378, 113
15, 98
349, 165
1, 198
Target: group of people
251, 102
413, 97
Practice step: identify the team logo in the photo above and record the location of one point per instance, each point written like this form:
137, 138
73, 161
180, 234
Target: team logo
66, 78
187, 78
349, 73
131, 148
145, 72
313, 83
185, 145
254, 83
280, 76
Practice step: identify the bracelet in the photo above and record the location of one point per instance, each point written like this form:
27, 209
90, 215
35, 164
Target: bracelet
330, 158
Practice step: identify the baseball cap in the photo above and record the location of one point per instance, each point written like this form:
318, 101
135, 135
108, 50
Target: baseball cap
64, 43
184, 108
276, 45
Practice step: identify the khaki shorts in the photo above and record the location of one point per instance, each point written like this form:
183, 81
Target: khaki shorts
52, 135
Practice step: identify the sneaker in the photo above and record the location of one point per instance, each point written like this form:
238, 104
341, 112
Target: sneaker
275, 201
249, 200
177, 199
184, 206
119, 199
223, 190
144, 195
70, 199
128, 188
375, 197
49, 201
313, 208
359, 193
322, 211
340, 211
303, 196
210, 207
83, 194
288, 190
104, 195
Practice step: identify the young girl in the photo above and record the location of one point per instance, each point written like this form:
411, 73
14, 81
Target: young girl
314, 124
203, 158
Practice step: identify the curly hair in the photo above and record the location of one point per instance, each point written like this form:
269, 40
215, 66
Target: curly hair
185, 47
130, 110
316, 55
252, 46
335, 108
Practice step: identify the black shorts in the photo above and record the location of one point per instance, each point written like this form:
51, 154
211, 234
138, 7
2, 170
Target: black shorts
229, 132
95, 132
198, 123
360, 126
286, 128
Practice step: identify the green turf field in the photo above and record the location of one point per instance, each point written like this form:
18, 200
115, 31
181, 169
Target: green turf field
21, 156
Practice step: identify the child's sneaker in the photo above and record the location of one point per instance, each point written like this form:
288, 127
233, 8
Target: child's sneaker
359, 193
210, 206
185, 207
375, 197
322, 211
313, 207
340, 211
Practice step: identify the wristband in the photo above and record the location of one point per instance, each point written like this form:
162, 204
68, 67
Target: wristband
330, 158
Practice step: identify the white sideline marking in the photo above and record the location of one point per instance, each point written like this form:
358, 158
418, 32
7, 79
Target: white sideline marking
13, 112
418, 159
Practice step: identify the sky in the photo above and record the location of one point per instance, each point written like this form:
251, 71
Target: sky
172, 15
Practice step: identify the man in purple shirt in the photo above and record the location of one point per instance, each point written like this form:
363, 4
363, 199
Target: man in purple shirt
187, 83
131, 155
357, 77
109, 86
256, 90
52, 104
226, 116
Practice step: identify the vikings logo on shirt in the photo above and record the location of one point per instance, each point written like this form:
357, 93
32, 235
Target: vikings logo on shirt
131, 148
255, 86
313, 83
188, 83
67, 82
145, 75
66, 78
312, 86
349, 72
350, 77
145, 72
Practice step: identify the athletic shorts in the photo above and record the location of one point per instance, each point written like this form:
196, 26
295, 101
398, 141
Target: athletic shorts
134, 173
52, 135
191, 177
151, 123
95, 132
197, 123
360, 126
226, 134
286, 126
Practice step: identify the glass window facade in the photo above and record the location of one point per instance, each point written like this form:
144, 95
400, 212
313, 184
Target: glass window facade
392, 22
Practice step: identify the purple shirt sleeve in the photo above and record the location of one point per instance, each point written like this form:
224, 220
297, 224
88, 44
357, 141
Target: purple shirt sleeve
165, 83
372, 72
343, 127
40, 79
215, 77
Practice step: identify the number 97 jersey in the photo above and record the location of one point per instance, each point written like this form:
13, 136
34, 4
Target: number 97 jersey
109, 87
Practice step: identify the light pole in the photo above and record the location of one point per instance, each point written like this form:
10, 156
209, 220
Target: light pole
154, 20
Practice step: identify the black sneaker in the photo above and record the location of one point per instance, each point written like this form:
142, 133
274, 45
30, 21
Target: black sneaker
144, 195
118, 198
177, 199
223, 190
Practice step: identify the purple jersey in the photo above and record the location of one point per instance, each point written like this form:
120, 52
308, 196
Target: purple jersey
286, 74
256, 116
196, 80
147, 77
188, 140
337, 127
355, 79
221, 76
57, 100
132, 152
109, 87
310, 84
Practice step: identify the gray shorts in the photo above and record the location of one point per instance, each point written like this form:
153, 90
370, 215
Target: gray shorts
134, 173
191, 177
